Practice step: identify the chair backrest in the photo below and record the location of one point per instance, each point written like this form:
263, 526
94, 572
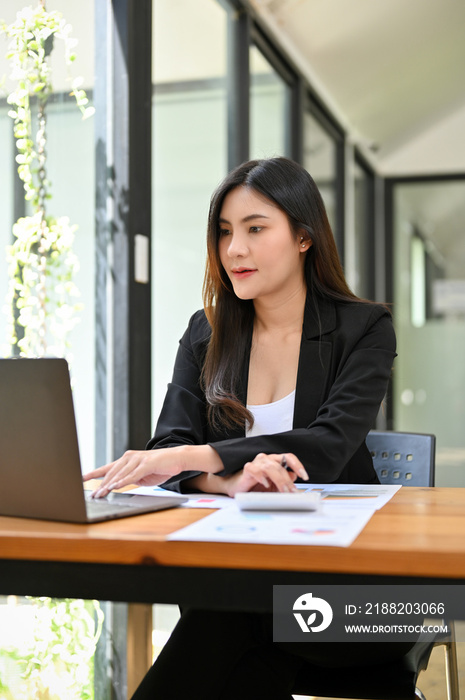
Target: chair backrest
403, 458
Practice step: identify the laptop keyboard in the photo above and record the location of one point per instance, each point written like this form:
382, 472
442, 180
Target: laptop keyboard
100, 507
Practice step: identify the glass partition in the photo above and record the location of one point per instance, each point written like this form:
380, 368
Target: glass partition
189, 159
320, 159
429, 313
269, 104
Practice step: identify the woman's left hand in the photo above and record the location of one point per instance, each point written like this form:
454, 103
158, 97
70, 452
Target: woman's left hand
275, 472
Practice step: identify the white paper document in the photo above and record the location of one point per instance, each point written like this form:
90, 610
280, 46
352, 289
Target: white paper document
373, 496
329, 526
195, 500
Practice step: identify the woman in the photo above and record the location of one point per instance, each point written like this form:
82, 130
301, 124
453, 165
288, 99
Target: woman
278, 317
284, 361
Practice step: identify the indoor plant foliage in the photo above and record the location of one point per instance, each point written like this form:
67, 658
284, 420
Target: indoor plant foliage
42, 299
52, 658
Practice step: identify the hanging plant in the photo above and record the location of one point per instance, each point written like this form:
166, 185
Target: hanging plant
42, 298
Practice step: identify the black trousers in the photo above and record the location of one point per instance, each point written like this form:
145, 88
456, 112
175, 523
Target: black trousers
231, 656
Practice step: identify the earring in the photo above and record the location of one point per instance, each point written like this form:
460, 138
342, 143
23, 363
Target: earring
302, 245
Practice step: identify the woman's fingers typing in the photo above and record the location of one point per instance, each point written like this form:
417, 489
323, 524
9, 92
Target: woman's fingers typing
96, 473
140, 467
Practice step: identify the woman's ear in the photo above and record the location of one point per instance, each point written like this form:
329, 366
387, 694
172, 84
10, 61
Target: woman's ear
305, 243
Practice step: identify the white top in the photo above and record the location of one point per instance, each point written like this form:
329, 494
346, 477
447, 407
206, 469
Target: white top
270, 418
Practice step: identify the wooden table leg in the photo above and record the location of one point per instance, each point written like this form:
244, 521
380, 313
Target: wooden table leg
139, 644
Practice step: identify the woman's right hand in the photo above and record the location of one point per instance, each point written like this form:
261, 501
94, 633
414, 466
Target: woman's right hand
267, 473
138, 467
153, 467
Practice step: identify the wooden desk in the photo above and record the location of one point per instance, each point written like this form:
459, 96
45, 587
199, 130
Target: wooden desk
418, 536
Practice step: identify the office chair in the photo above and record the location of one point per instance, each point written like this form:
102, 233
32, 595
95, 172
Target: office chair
407, 459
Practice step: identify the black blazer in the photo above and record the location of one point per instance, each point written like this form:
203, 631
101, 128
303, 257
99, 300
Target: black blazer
345, 362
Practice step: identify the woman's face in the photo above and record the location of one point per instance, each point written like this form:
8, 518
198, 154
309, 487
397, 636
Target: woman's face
258, 250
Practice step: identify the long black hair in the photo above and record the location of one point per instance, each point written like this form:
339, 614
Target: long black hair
290, 187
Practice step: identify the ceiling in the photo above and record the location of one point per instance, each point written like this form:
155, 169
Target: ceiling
392, 70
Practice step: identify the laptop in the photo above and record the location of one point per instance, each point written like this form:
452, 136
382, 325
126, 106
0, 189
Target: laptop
40, 467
